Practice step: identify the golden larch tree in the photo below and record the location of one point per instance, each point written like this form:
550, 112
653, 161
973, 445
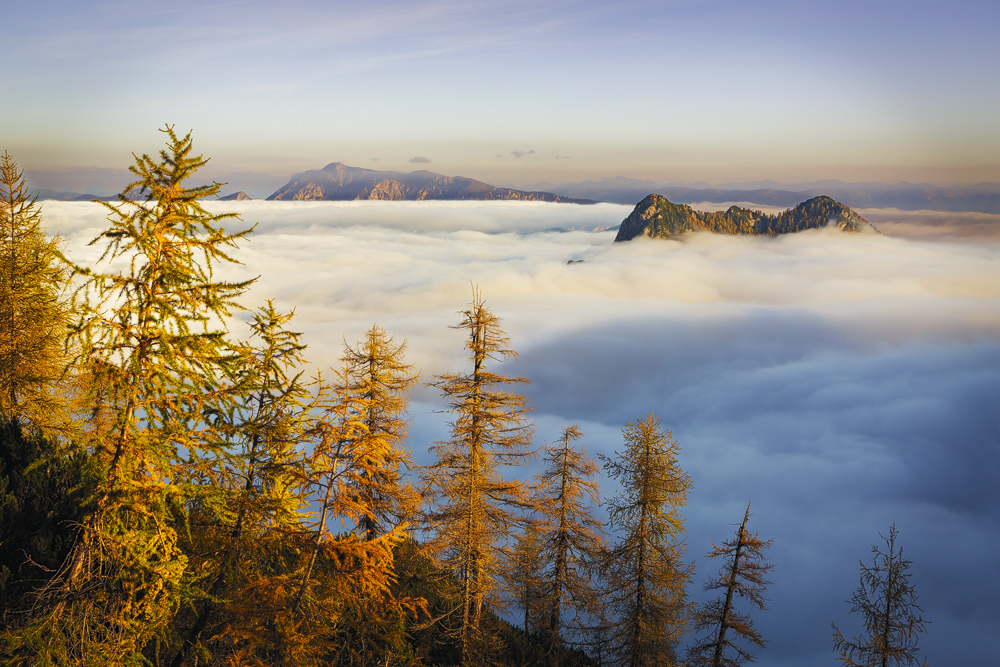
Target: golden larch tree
347, 609
474, 508
743, 575
35, 308
379, 377
250, 501
646, 576
524, 578
571, 544
151, 336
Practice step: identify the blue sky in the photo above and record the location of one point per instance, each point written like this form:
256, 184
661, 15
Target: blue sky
670, 90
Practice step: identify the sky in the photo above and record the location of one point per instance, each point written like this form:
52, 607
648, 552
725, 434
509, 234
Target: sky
513, 92
840, 383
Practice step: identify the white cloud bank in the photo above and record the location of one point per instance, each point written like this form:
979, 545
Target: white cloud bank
841, 383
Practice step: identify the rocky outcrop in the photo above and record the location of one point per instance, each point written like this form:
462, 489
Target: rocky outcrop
236, 196
339, 182
657, 217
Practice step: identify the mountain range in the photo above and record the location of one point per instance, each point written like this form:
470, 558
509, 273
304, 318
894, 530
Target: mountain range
657, 217
340, 182
980, 197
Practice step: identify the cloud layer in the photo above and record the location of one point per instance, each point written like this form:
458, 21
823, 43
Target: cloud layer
841, 383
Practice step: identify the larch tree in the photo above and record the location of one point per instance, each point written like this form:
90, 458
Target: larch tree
356, 477
474, 507
42, 492
380, 377
152, 337
571, 544
35, 308
336, 426
743, 575
887, 603
646, 577
524, 575
251, 502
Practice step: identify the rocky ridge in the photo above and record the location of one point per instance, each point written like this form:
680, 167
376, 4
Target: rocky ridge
657, 217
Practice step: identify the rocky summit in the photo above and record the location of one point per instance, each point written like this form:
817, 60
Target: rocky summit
340, 182
236, 196
657, 217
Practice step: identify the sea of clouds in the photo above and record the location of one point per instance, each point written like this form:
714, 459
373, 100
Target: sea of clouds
841, 383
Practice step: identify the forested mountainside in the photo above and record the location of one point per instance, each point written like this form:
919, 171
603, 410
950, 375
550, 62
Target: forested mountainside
657, 217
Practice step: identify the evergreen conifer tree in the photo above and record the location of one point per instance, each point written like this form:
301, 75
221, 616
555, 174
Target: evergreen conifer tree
44, 493
743, 574
646, 578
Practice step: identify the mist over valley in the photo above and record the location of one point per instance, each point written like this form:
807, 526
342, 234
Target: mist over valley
840, 382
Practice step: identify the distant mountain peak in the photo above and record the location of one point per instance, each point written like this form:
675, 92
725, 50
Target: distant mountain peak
657, 217
236, 196
340, 182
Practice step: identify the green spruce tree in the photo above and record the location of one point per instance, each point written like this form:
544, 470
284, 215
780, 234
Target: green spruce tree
44, 495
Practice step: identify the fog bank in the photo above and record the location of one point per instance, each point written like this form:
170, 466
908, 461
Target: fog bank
840, 382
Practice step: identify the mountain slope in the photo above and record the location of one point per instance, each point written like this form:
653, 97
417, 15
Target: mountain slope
657, 217
337, 181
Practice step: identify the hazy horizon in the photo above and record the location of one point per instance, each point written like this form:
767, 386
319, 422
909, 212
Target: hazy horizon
515, 92
104, 181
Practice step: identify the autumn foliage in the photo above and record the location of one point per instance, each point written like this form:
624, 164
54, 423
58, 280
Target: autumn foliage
180, 488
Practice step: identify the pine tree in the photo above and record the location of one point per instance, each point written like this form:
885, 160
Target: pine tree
34, 308
647, 579
152, 340
474, 506
571, 542
887, 602
743, 574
